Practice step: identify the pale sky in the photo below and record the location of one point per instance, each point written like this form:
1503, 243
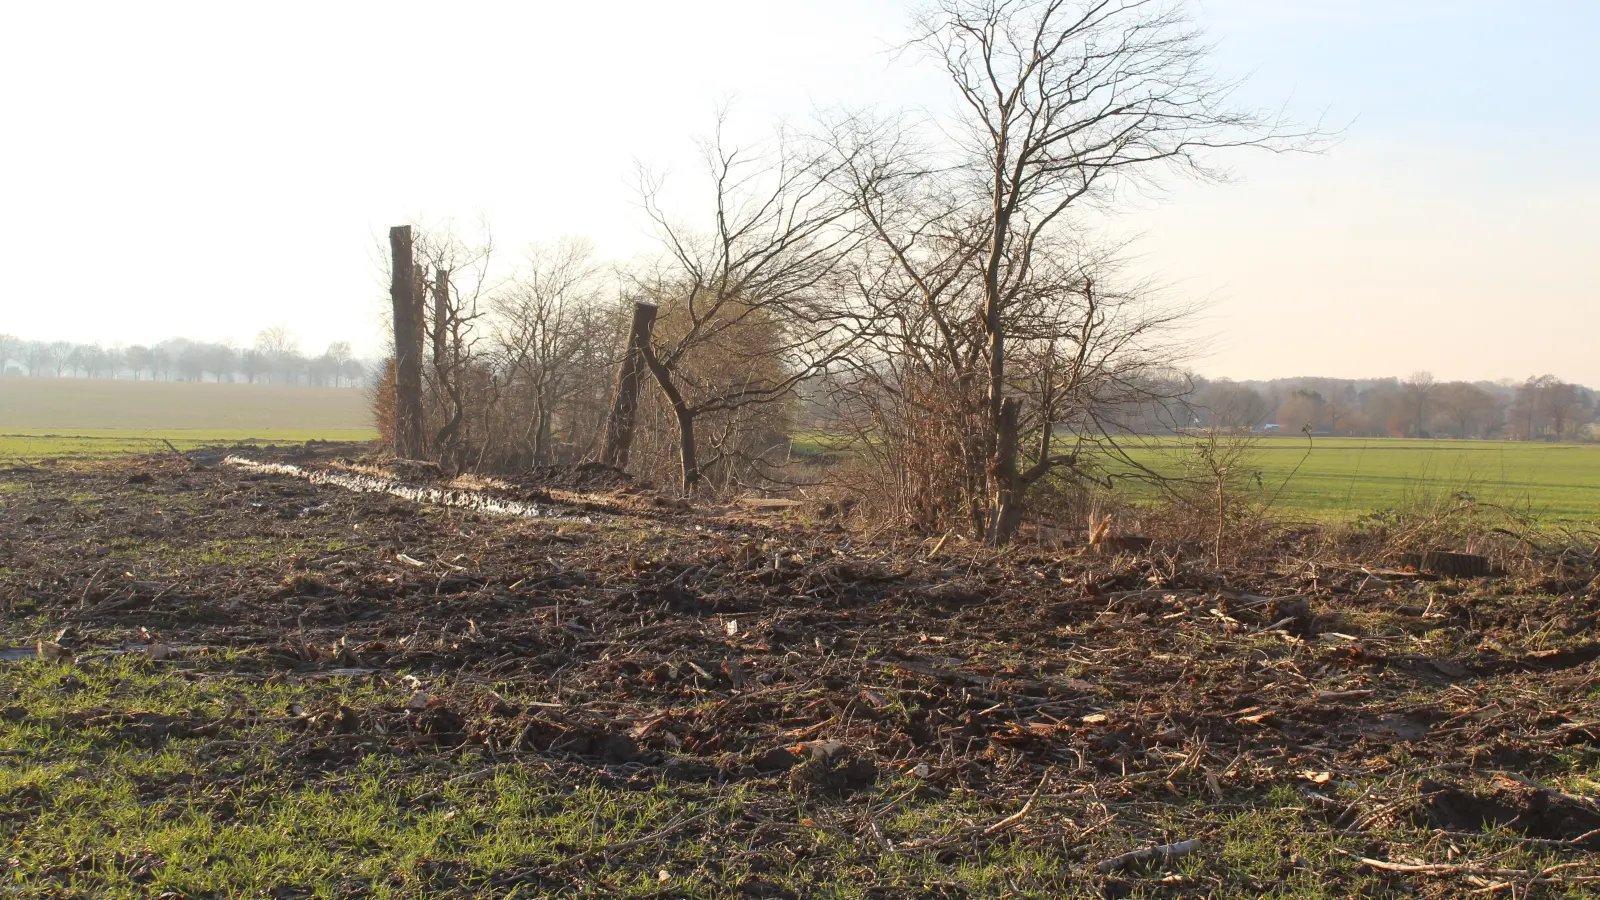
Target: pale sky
210, 169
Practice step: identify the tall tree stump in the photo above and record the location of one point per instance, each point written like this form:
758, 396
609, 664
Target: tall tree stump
407, 345
625, 396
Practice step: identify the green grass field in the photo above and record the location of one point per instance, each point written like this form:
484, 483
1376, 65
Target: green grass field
67, 418
1340, 479
1343, 478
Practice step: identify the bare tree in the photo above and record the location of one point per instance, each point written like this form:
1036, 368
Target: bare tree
59, 354
1419, 388
1469, 408
278, 348
540, 321
39, 358
1563, 401
138, 359
454, 275
338, 355
1064, 104
1231, 406
747, 309
222, 359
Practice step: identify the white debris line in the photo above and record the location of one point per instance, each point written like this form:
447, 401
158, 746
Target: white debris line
452, 497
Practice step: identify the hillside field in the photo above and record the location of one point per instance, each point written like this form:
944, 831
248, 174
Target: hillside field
67, 417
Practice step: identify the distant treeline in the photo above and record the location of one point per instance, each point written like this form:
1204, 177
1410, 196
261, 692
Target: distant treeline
1540, 408
274, 358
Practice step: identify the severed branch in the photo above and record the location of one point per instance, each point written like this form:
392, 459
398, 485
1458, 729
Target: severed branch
1165, 852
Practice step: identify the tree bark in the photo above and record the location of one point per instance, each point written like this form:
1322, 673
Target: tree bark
542, 436
441, 317
684, 413
407, 346
446, 380
686, 448
1009, 486
625, 396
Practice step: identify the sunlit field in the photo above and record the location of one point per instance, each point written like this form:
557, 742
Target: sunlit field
63, 418
1344, 478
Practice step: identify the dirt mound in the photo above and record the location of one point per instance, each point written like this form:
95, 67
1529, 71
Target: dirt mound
1524, 809
589, 476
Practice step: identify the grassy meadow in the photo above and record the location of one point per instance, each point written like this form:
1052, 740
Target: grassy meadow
69, 417
1338, 479
1332, 479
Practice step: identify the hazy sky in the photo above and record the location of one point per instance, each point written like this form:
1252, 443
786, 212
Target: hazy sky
210, 169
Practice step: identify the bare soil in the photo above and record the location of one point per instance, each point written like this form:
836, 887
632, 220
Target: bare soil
1077, 706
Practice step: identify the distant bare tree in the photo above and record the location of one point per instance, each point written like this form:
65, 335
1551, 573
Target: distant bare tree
39, 356
1231, 406
1469, 409
253, 364
222, 360
59, 354
160, 362
281, 352
191, 363
338, 354
138, 359
1562, 402
1419, 388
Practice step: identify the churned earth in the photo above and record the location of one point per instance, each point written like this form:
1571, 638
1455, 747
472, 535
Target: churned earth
223, 680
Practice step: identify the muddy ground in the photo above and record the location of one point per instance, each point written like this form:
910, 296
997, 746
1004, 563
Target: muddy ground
836, 714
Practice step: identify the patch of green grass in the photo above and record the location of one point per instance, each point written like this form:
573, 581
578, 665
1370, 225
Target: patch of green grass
1341, 479
1333, 479
65, 418
70, 405
44, 445
97, 804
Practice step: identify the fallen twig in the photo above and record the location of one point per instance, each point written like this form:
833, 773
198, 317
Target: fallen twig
533, 871
1166, 852
1018, 816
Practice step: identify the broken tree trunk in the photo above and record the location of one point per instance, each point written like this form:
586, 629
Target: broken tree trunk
407, 346
625, 396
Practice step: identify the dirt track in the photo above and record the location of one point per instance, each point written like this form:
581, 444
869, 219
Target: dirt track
1078, 705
